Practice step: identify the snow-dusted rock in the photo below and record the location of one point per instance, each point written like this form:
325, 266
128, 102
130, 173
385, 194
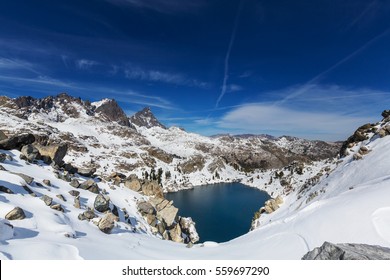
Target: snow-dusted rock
168, 215
146, 208
16, 214
30, 153
47, 199
330, 251
107, 223
133, 184
55, 153
102, 203
175, 234
151, 188
188, 227
16, 141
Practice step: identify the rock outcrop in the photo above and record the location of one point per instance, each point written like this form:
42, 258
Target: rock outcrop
145, 118
107, 223
152, 188
30, 153
102, 203
347, 251
133, 184
16, 141
111, 111
52, 153
188, 228
15, 214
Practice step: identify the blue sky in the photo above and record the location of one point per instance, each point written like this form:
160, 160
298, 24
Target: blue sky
313, 69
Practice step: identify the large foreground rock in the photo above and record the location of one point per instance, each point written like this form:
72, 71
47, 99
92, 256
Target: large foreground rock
347, 251
133, 184
30, 152
168, 215
101, 204
151, 188
188, 227
107, 223
16, 141
15, 214
55, 153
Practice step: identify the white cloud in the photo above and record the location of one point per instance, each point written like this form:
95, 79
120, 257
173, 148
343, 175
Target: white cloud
278, 120
164, 77
17, 64
326, 112
85, 64
233, 88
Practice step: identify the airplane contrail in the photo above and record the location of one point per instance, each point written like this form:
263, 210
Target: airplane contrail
227, 57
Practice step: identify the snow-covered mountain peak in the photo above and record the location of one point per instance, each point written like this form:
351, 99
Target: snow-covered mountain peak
145, 118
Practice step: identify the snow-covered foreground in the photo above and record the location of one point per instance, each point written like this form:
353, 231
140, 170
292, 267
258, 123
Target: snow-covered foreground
351, 205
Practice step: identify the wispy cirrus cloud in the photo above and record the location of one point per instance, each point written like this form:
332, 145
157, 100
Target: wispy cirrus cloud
233, 88
17, 64
135, 73
322, 112
86, 64
163, 6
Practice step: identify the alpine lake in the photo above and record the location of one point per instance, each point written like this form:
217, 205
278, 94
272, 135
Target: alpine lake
222, 211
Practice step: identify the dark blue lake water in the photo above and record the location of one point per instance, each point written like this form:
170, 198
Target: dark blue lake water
221, 211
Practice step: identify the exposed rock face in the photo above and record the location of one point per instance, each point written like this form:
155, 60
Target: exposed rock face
329, 251
111, 111
196, 163
47, 199
47, 182
188, 227
30, 152
57, 207
359, 135
107, 223
133, 184
55, 153
87, 172
88, 185
146, 208
175, 234
2, 136
146, 119
16, 214
168, 215
16, 141
74, 183
74, 193
151, 188
272, 204
3, 157
160, 154
102, 203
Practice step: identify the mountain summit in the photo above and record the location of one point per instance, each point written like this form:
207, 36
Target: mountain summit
146, 118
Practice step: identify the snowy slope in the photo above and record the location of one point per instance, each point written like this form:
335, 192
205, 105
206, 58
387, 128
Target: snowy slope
352, 205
